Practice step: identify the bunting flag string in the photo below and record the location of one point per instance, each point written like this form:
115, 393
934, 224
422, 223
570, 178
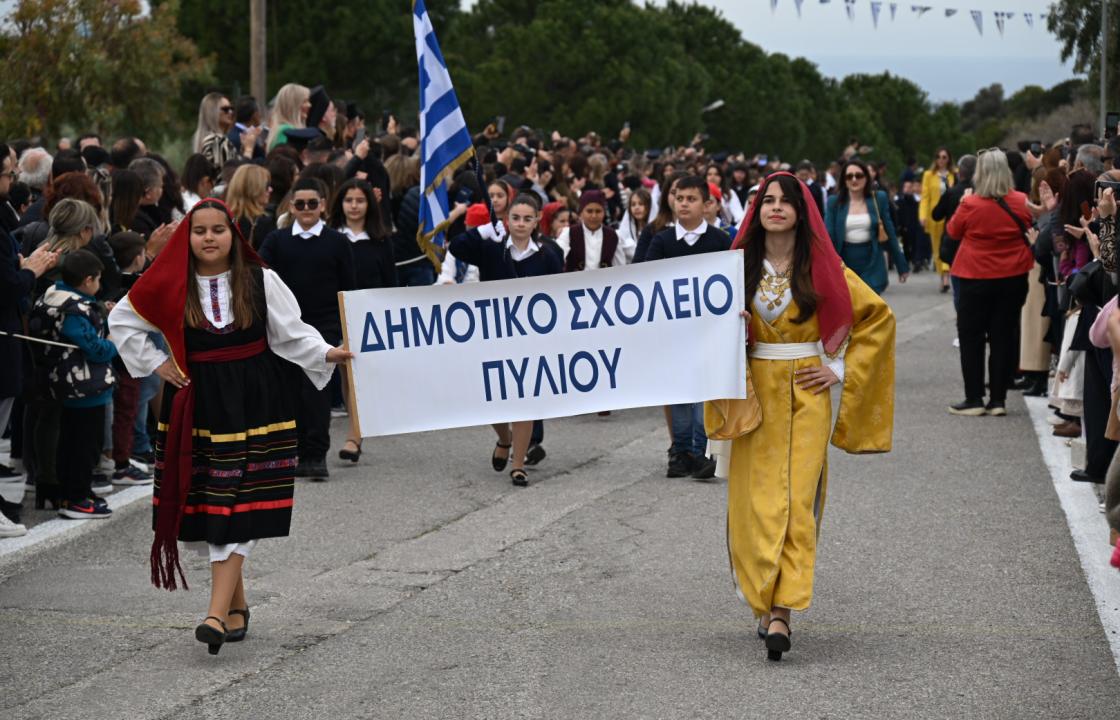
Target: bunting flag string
1001, 16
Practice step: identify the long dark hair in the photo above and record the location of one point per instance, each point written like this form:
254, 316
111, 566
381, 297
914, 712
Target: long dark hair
374, 227
241, 282
665, 211
801, 284
128, 188
868, 189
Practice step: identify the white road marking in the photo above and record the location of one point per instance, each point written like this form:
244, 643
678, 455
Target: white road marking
1086, 524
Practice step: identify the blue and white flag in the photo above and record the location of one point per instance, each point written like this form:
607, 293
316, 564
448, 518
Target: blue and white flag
445, 142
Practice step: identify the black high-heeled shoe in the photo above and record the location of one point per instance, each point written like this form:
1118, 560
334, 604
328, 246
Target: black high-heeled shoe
778, 643
238, 634
499, 463
212, 637
345, 454
519, 477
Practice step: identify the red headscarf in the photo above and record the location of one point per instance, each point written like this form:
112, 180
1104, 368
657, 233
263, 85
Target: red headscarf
160, 297
834, 311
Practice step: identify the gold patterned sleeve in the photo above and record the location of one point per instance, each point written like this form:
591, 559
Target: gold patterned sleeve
865, 423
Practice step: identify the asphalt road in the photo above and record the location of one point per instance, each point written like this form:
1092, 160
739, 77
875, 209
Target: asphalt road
421, 584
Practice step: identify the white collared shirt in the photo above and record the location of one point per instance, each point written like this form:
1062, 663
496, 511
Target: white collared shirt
519, 255
314, 231
691, 236
353, 236
593, 248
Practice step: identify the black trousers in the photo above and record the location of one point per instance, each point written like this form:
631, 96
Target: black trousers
988, 316
81, 433
313, 417
1098, 404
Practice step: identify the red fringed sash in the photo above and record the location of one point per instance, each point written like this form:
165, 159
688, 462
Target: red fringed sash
178, 464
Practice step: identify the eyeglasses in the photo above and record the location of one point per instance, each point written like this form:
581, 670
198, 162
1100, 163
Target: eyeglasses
302, 205
854, 176
942, 157
226, 109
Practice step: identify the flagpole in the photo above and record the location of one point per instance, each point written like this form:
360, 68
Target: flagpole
1104, 65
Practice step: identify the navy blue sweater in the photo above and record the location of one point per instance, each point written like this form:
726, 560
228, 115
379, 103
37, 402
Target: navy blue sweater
495, 262
666, 245
315, 269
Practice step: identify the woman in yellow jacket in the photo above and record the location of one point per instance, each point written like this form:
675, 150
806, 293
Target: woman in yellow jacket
935, 181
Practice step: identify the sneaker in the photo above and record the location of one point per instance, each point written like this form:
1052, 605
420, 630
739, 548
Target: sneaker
99, 501
10, 529
534, 454
996, 409
86, 509
680, 465
147, 458
338, 412
106, 464
131, 475
972, 408
101, 484
705, 468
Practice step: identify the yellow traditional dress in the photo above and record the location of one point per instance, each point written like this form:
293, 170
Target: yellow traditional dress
779, 472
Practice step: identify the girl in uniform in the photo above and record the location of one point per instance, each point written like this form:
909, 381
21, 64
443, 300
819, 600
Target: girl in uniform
518, 254
226, 449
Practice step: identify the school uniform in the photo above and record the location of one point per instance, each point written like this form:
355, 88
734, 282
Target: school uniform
315, 263
497, 260
675, 241
374, 266
690, 442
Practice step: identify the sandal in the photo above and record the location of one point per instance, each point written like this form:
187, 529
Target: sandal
519, 477
238, 634
778, 643
499, 463
762, 628
211, 635
352, 456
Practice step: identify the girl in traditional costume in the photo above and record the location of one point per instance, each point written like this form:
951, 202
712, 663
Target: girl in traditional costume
226, 449
804, 302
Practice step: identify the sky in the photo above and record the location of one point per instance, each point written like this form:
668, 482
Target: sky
946, 57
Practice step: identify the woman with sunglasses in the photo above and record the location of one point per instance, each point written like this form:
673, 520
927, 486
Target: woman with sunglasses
853, 218
935, 181
211, 137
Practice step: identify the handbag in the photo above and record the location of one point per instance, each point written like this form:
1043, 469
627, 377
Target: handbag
947, 252
882, 225
732, 419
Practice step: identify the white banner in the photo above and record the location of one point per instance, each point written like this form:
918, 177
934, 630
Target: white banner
445, 356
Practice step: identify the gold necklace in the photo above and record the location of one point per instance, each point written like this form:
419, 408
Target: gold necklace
773, 286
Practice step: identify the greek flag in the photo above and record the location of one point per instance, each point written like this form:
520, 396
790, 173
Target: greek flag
445, 142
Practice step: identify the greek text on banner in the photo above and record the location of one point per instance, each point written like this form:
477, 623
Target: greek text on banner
443, 356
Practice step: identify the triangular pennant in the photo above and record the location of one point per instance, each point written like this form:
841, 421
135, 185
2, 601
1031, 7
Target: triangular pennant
875, 8
798, 4
850, 8
921, 9
999, 22
825, 2
1030, 20
894, 9
773, 5
950, 12
978, 18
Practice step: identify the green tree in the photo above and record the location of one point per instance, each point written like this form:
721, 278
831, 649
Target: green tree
1077, 24
94, 65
